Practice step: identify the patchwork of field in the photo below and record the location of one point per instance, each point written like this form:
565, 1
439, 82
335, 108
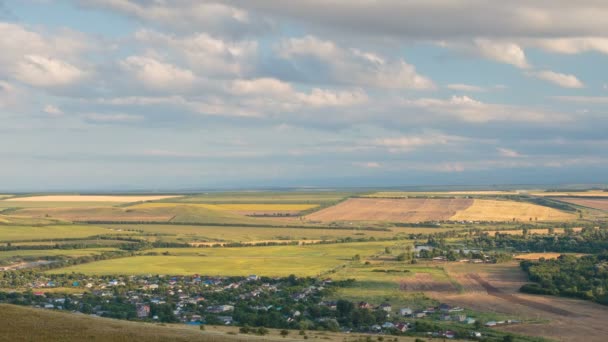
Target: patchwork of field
436, 209
157, 213
594, 203
392, 210
305, 260
242, 209
27, 233
88, 198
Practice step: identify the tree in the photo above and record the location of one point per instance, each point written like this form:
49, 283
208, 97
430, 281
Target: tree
284, 333
508, 338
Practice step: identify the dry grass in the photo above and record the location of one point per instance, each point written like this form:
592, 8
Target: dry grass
87, 198
27, 324
407, 194
489, 210
537, 256
392, 210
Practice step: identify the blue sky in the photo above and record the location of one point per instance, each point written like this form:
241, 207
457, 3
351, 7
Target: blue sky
154, 94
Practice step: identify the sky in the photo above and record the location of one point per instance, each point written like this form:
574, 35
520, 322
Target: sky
160, 94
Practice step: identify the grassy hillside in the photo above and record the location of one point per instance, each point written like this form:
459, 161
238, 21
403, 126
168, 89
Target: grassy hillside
27, 324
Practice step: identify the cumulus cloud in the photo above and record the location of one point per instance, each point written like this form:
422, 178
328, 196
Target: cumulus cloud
53, 111
470, 110
353, 66
157, 75
109, 118
46, 72
503, 52
562, 80
41, 60
203, 52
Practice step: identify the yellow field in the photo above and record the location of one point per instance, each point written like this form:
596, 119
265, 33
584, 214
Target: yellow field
87, 198
488, 210
536, 256
233, 207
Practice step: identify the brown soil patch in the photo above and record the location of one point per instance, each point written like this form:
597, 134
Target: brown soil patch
595, 203
393, 210
424, 282
568, 319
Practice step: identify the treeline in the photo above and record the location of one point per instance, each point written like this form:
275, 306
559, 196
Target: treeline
585, 277
589, 240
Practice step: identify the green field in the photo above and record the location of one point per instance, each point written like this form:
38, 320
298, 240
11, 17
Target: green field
4, 255
187, 233
26, 233
310, 260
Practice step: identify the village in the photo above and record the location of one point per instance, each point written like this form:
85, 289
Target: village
285, 303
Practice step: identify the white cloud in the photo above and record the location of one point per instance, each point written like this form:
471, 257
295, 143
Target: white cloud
571, 45
46, 72
562, 80
157, 75
410, 143
53, 111
204, 53
583, 99
505, 152
465, 87
353, 66
471, 110
41, 60
503, 52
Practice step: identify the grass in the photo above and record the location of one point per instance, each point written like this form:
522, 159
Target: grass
28, 324
25, 233
5, 255
310, 260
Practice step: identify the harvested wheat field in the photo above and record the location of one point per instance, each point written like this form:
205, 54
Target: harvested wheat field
495, 288
436, 209
537, 256
392, 210
237, 208
488, 210
535, 231
590, 193
87, 198
594, 203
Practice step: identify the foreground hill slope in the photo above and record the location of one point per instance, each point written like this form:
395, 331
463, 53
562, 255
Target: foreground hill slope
27, 324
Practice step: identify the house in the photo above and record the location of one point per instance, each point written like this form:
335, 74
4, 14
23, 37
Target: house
405, 312
49, 306
456, 309
444, 307
388, 325
376, 328
385, 307
401, 327
143, 311
445, 317
450, 334
475, 334
253, 277
491, 324
419, 314
365, 305
439, 258
469, 320
459, 318
220, 308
